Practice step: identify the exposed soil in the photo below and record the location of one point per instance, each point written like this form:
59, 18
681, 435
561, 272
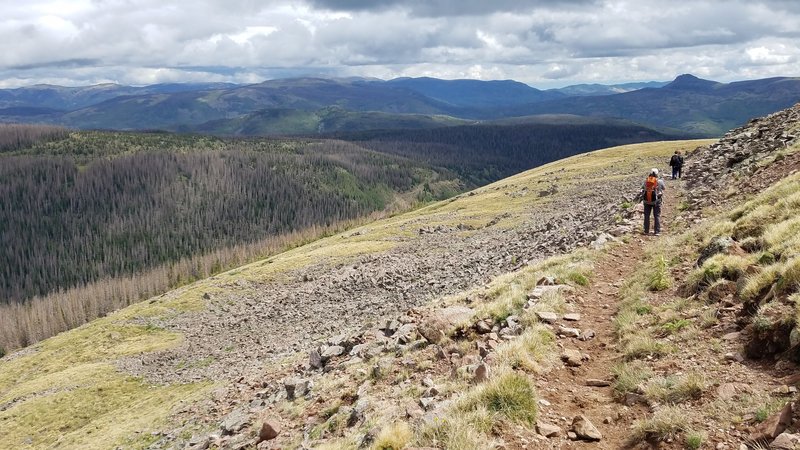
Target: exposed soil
565, 387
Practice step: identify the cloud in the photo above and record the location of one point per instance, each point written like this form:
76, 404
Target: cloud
539, 42
445, 8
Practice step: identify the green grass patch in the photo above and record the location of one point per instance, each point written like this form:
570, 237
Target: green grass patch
91, 406
509, 394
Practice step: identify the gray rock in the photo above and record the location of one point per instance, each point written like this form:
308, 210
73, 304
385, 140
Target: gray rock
426, 403
572, 317
235, 421
315, 359
295, 387
332, 351
786, 441
584, 429
569, 332
572, 357
546, 316
547, 430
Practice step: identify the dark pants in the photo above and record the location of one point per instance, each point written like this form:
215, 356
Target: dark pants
656, 209
676, 172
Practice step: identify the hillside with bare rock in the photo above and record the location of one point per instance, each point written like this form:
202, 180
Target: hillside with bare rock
530, 313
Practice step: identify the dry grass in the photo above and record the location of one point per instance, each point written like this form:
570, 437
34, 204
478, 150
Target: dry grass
719, 266
629, 376
532, 351
643, 344
667, 423
759, 282
393, 437
675, 389
459, 431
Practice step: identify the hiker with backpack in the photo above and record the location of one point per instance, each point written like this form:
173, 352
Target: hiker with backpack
651, 194
676, 162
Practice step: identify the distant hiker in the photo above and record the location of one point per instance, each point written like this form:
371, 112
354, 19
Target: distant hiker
652, 191
676, 162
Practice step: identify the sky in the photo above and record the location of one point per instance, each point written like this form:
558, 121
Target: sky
542, 43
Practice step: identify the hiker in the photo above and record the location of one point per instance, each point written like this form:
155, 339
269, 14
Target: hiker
676, 162
652, 191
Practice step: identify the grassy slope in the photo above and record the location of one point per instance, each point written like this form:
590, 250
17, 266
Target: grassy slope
66, 390
670, 311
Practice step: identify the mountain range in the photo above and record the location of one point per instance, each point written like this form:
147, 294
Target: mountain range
691, 105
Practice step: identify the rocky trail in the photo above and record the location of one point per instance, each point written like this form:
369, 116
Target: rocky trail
583, 385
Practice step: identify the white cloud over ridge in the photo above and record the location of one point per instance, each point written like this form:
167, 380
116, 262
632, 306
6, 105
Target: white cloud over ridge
542, 43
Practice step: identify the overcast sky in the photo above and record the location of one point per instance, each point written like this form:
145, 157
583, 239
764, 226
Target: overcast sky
542, 43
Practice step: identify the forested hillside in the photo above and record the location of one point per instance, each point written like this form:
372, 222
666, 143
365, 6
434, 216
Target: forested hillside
482, 154
98, 205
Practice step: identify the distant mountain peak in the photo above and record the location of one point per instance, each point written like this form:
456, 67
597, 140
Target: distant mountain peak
688, 81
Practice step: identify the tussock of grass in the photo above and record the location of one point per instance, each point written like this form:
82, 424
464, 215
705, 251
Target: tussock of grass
641, 345
531, 351
790, 275
694, 439
393, 437
508, 301
720, 266
459, 431
509, 394
628, 376
675, 389
552, 301
752, 224
757, 283
666, 423
783, 237
675, 326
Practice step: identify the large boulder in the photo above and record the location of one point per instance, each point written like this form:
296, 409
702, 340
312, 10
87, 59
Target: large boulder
443, 322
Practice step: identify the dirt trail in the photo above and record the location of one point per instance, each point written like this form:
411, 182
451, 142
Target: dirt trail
565, 388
